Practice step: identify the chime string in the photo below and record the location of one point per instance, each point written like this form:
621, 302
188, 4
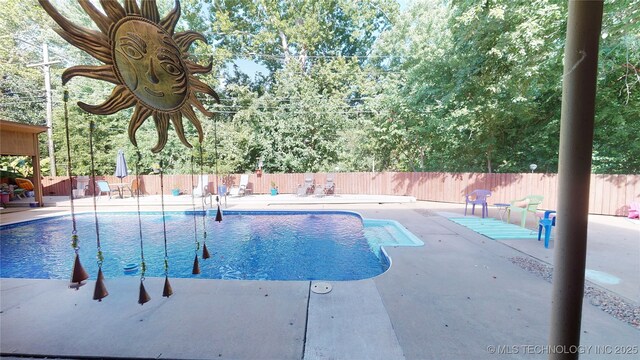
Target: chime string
95, 205
215, 145
193, 204
204, 212
69, 170
143, 265
164, 220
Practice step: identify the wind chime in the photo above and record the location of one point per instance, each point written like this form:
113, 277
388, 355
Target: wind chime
205, 251
215, 147
78, 274
143, 295
148, 63
196, 265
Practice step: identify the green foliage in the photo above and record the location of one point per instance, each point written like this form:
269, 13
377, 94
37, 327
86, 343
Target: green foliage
22, 88
299, 117
616, 146
20, 166
473, 90
480, 87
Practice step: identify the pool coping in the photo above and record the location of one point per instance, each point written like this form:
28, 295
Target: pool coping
208, 212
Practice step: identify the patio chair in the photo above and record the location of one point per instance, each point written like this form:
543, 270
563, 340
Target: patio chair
548, 221
477, 197
330, 186
103, 186
244, 185
124, 187
202, 189
223, 190
18, 192
135, 188
528, 204
634, 210
309, 186
242, 188
24, 186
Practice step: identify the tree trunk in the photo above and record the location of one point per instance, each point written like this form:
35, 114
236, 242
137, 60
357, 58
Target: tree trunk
303, 58
285, 47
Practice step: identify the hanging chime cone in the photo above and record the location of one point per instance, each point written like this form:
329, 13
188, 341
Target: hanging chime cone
205, 252
219, 215
79, 274
100, 290
144, 295
168, 291
196, 266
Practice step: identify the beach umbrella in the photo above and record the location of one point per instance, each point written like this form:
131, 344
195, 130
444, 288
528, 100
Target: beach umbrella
121, 165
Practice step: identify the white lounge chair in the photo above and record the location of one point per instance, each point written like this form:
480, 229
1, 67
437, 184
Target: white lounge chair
242, 188
202, 189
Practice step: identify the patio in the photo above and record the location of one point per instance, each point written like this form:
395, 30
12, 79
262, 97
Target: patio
461, 295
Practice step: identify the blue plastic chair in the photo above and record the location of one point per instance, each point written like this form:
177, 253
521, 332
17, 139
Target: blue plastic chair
477, 197
546, 223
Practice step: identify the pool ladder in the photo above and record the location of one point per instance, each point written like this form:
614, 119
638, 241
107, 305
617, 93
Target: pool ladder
210, 201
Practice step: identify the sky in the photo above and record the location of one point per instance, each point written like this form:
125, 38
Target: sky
248, 67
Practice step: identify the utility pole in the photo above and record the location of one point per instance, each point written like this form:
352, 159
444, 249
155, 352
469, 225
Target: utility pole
47, 86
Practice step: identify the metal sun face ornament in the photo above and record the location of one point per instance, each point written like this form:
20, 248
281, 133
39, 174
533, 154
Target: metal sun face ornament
146, 61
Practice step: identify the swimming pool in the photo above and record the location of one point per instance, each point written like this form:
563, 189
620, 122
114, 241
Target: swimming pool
252, 245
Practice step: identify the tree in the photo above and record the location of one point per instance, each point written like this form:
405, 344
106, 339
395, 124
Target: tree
278, 32
456, 85
296, 128
500, 73
299, 118
616, 146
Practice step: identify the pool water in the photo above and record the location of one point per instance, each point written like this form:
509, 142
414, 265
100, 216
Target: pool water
245, 245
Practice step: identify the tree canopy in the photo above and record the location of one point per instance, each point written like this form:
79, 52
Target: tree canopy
438, 85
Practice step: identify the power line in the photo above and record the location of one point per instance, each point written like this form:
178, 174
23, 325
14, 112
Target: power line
285, 98
320, 112
8, 97
333, 56
272, 56
21, 102
286, 106
307, 112
287, 102
20, 97
37, 46
39, 91
317, 56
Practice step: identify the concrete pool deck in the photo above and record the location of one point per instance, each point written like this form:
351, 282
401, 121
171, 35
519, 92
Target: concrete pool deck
458, 297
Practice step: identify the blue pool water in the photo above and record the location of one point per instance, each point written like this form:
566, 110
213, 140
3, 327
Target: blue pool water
245, 245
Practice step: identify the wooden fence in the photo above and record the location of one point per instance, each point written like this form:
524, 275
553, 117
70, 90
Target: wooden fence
609, 194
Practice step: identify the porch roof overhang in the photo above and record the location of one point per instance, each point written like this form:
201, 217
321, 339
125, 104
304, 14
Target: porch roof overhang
18, 139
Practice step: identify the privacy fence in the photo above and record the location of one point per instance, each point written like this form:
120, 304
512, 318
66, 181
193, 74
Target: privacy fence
609, 194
